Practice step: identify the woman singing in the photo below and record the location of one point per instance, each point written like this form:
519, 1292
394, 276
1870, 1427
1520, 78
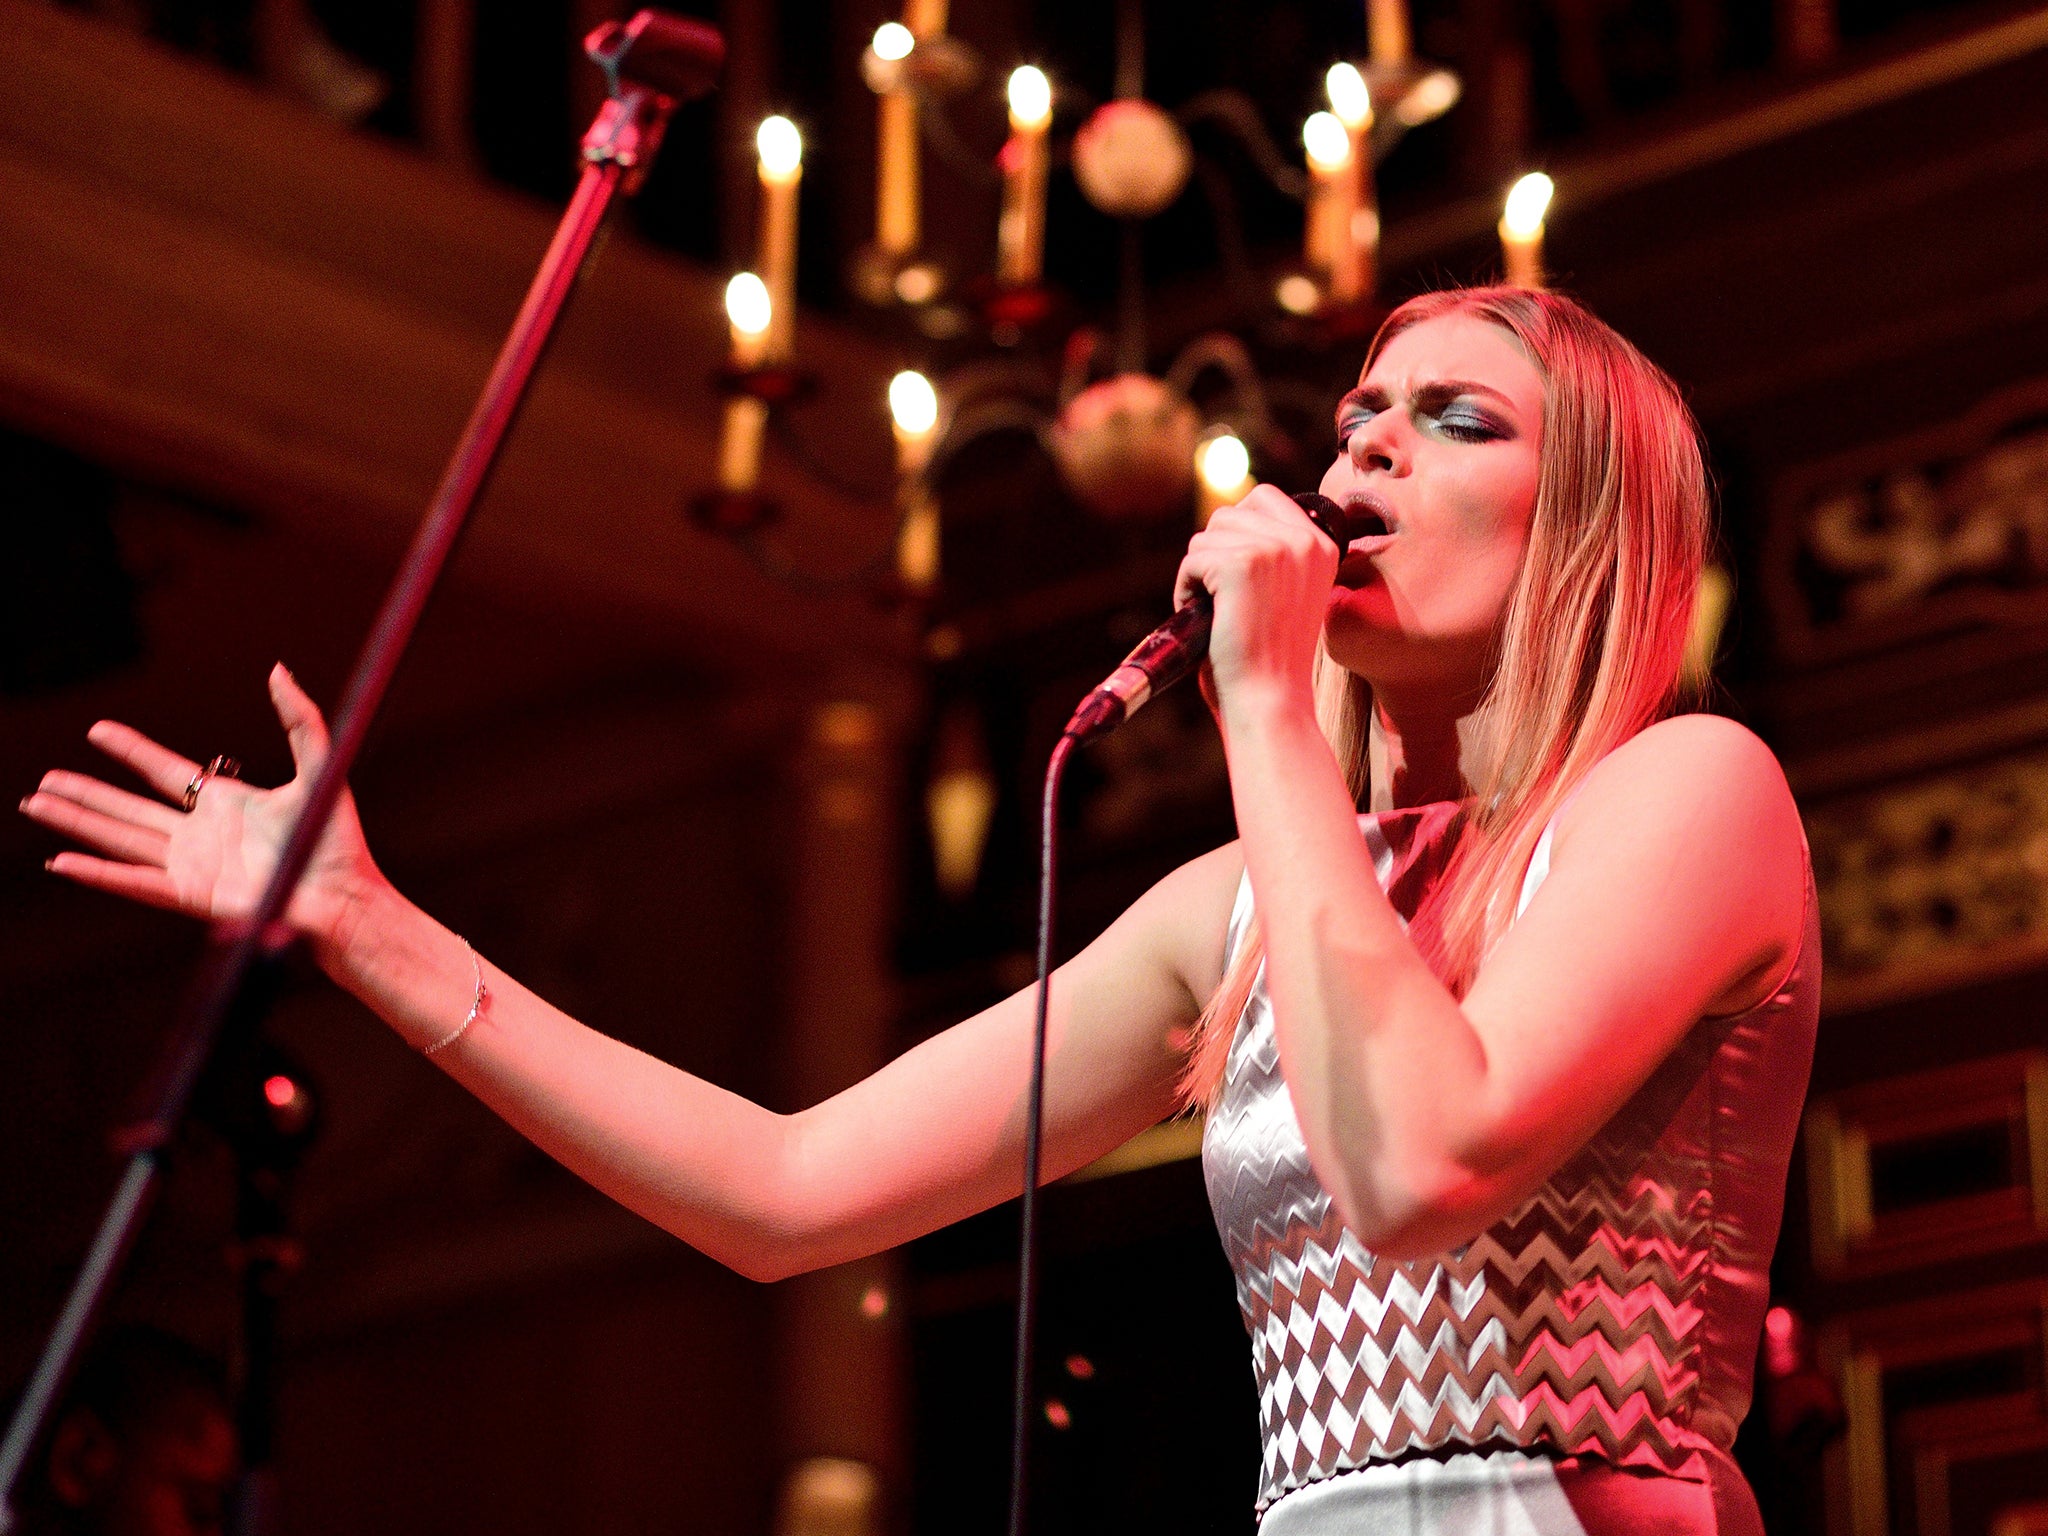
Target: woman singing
1501, 1076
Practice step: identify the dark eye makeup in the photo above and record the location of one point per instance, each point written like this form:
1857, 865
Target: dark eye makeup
1456, 418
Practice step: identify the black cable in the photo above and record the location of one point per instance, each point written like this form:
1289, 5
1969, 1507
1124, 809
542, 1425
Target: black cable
1034, 1134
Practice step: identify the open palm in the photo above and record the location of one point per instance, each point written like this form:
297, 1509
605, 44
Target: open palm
214, 860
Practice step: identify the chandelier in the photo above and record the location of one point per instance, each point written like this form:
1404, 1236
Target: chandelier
1129, 444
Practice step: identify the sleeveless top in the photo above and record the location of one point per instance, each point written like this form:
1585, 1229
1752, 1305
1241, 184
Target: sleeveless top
1613, 1318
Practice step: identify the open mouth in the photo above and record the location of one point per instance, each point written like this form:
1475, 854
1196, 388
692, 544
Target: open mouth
1365, 517
1368, 534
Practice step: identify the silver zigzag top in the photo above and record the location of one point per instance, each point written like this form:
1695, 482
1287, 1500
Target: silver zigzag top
1614, 1315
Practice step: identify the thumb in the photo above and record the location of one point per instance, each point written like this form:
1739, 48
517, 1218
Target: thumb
303, 725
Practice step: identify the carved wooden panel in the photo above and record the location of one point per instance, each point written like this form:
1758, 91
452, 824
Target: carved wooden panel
1947, 1408
1930, 1167
1933, 881
1940, 531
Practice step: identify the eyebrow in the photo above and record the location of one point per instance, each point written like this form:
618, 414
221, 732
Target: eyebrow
1434, 389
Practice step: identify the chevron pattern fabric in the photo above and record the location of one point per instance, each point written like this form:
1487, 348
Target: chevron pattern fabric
1580, 1325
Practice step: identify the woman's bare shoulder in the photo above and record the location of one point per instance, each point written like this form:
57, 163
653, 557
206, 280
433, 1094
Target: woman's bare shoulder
1686, 764
1705, 803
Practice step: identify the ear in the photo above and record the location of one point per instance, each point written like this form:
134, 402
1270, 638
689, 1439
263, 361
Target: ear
82, 1457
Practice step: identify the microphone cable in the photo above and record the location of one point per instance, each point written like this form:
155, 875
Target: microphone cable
1170, 653
1034, 1142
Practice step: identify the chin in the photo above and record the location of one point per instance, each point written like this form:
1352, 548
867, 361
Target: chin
1366, 638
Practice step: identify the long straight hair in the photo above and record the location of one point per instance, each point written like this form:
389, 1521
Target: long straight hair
1591, 643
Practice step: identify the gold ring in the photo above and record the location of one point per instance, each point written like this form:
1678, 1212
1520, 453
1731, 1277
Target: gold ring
219, 768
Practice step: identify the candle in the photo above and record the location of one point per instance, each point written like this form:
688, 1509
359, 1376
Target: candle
1020, 237
898, 206
781, 150
748, 309
1386, 24
1325, 234
896, 190
1355, 267
1223, 475
914, 409
959, 802
1521, 230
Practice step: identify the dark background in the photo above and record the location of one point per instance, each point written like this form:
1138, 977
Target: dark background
242, 336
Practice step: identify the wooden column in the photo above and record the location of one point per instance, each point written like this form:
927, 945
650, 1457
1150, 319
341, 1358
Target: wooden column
1808, 34
841, 1344
443, 70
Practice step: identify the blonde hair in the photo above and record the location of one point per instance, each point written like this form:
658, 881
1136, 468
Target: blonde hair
1591, 643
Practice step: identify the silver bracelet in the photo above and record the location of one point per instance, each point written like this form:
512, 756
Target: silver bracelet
476, 1005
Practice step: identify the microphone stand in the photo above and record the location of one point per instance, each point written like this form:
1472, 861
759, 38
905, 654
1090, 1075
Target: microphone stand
651, 63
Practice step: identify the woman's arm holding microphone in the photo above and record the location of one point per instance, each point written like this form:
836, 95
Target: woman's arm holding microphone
1675, 890
934, 1136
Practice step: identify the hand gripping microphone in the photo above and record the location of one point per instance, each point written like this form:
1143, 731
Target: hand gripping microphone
1176, 648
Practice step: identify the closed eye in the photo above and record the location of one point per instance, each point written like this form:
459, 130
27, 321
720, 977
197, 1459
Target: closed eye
1469, 426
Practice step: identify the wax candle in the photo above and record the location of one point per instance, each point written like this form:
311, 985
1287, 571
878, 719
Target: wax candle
781, 150
1521, 230
898, 201
914, 409
1386, 23
749, 312
1355, 263
896, 185
1020, 237
1325, 232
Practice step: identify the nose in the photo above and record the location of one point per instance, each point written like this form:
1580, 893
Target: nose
1376, 444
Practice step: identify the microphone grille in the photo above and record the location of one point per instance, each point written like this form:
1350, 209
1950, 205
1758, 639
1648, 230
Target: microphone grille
1328, 516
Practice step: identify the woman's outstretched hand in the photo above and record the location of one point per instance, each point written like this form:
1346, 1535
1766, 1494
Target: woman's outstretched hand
214, 860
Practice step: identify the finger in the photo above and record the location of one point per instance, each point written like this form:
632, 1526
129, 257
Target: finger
1280, 518
1214, 547
1209, 553
118, 803
146, 885
1273, 500
124, 840
159, 767
303, 724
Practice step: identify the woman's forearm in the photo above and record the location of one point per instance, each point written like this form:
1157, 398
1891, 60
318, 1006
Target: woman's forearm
702, 1163
1379, 1059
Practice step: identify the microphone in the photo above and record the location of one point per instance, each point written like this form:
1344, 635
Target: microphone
1176, 648
673, 56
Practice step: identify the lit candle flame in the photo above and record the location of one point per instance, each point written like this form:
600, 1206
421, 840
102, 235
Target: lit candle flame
780, 145
1349, 97
1326, 140
747, 304
1224, 463
1030, 97
913, 403
1528, 202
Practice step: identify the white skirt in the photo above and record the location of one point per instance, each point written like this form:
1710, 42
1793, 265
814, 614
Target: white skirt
1512, 1493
